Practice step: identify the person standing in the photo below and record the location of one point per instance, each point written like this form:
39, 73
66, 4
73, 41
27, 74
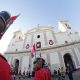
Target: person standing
62, 73
59, 74
48, 72
69, 72
40, 72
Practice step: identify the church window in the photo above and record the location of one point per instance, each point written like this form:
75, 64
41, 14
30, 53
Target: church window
38, 36
12, 44
51, 42
16, 49
70, 33
76, 32
68, 26
38, 45
19, 37
66, 41
27, 46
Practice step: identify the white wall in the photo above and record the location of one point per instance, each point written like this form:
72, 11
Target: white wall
49, 36
25, 63
77, 53
41, 39
75, 37
16, 45
9, 60
54, 60
28, 40
16, 42
7, 57
62, 37
44, 56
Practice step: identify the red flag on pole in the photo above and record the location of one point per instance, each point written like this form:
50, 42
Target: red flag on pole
8, 23
33, 52
40, 53
12, 19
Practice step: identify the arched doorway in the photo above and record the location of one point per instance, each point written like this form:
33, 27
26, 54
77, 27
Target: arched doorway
16, 66
68, 60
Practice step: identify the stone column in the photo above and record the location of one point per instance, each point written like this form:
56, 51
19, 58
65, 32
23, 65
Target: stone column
48, 59
30, 62
61, 59
24, 41
45, 38
54, 37
20, 63
76, 59
32, 40
11, 62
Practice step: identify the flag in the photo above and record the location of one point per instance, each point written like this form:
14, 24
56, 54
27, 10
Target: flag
7, 24
33, 52
11, 20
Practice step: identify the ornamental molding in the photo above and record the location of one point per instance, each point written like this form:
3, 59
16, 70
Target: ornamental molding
53, 48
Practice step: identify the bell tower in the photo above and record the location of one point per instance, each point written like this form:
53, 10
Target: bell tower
64, 26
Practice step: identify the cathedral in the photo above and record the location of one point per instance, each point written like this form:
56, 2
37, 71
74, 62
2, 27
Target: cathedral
57, 48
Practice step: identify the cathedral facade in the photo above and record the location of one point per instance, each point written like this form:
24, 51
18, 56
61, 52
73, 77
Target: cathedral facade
57, 48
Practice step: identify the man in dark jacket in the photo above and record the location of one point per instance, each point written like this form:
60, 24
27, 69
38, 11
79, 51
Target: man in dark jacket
69, 72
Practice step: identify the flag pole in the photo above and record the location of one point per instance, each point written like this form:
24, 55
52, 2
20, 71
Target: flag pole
40, 52
33, 52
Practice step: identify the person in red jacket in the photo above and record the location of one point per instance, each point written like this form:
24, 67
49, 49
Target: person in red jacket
48, 72
5, 70
40, 72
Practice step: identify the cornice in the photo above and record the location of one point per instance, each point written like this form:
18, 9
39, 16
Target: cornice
45, 48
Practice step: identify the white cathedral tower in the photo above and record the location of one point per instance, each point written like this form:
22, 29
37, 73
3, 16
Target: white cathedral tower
58, 49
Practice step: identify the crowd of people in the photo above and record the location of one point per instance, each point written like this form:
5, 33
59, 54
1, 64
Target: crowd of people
61, 73
40, 71
20, 75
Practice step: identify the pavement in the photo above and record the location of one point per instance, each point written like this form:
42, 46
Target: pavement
76, 76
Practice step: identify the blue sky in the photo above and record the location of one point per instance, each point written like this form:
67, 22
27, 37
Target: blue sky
43, 12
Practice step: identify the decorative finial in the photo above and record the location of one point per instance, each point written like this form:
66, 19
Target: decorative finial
38, 25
